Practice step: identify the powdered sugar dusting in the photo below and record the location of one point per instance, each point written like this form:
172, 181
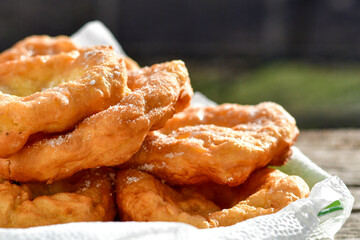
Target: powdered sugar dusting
54, 142
130, 180
230, 179
146, 167
89, 54
172, 155
87, 183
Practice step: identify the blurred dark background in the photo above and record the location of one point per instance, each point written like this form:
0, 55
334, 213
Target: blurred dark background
302, 54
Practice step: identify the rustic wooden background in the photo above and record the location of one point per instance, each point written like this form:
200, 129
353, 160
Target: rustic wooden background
338, 153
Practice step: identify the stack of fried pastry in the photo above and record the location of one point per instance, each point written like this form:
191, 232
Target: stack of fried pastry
86, 135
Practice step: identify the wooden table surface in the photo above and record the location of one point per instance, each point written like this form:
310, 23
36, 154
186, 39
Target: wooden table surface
338, 153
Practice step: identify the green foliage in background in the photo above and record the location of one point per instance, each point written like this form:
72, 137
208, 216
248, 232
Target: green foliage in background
317, 95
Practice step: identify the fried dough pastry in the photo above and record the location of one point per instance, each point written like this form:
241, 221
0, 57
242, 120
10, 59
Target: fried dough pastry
130, 64
46, 45
107, 138
53, 93
86, 196
142, 197
138, 78
266, 191
38, 45
223, 144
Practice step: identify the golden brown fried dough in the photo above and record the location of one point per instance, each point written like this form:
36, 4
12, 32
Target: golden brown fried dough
38, 45
53, 93
265, 191
139, 77
142, 197
86, 196
107, 138
46, 45
223, 144
130, 64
